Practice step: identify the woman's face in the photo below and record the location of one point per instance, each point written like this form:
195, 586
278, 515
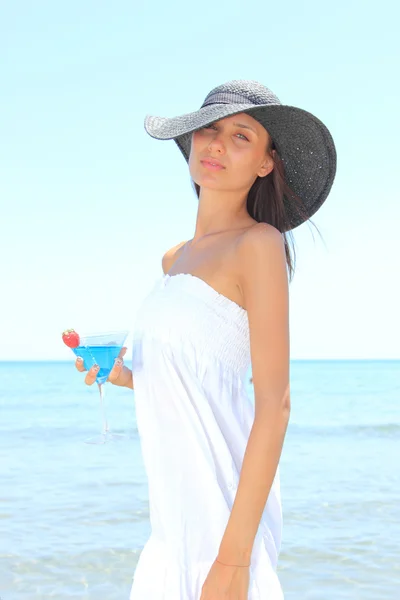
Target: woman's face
239, 143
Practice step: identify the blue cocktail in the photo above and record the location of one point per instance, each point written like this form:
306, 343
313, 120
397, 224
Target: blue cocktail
103, 356
98, 349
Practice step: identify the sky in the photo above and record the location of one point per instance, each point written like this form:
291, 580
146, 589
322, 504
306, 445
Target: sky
90, 202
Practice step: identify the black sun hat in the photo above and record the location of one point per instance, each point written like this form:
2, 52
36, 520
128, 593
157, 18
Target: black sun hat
302, 141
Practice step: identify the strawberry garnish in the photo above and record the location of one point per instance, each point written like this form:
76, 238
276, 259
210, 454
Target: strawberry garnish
70, 338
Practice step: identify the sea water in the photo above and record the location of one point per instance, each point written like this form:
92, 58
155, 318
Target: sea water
74, 517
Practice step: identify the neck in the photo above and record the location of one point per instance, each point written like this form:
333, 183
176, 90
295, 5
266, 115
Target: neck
220, 211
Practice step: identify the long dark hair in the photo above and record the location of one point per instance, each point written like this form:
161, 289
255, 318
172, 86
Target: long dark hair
265, 204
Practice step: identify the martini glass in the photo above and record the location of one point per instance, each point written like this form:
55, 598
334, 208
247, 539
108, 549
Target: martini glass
101, 349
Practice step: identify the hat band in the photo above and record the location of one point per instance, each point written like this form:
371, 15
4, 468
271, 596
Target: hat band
226, 98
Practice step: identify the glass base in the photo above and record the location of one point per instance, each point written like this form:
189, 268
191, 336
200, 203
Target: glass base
105, 438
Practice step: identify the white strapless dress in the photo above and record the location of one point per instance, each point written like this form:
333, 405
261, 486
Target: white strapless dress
190, 360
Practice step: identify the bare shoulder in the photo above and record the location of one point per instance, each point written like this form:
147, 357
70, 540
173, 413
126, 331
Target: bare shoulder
261, 260
170, 256
261, 229
259, 242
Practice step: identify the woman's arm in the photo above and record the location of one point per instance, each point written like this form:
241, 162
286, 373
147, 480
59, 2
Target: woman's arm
264, 282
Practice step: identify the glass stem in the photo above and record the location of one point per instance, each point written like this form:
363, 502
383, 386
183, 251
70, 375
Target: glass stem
103, 408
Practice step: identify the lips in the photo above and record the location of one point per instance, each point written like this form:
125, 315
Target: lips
212, 164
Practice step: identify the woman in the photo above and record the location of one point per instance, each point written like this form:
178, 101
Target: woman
259, 169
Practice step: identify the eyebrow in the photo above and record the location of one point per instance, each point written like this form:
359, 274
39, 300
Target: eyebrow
245, 127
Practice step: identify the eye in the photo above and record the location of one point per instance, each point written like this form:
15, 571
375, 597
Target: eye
212, 126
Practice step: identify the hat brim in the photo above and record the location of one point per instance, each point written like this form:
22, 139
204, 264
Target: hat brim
302, 141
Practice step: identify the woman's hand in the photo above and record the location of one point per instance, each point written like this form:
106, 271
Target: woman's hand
119, 375
226, 583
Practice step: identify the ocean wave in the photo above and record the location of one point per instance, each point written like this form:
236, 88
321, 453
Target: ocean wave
367, 429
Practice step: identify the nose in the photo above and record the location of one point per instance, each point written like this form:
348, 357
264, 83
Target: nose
216, 143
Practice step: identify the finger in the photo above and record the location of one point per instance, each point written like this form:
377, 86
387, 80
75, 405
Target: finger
79, 364
92, 374
117, 368
118, 365
122, 352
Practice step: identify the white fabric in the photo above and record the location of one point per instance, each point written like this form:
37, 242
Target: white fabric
190, 358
